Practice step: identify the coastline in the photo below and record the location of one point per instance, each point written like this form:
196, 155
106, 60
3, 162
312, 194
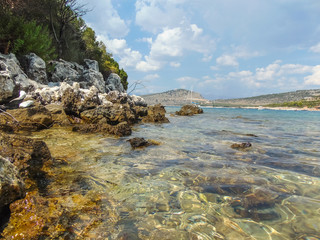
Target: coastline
278, 108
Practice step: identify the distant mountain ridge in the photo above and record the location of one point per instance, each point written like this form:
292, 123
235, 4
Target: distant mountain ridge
175, 98
270, 98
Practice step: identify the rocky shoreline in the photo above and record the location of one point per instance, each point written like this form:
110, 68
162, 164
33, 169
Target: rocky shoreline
31, 99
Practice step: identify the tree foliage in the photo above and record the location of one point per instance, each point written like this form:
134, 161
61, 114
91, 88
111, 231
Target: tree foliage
53, 29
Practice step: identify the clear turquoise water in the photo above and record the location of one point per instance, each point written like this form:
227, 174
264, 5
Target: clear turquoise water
194, 185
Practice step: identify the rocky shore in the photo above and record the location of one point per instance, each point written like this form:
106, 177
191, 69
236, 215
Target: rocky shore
71, 96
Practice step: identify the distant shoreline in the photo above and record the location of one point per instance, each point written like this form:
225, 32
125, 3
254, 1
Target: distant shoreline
278, 108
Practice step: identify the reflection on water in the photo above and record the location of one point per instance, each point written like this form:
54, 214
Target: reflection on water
193, 185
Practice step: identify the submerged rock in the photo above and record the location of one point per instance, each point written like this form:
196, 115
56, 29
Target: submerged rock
11, 184
189, 110
141, 143
241, 146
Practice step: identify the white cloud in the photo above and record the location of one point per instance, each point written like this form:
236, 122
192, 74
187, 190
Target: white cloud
151, 77
154, 15
174, 42
105, 20
315, 48
175, 64
227, 60
128, 57
314, 78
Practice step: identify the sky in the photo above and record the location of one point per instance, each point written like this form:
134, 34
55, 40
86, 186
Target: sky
219, 48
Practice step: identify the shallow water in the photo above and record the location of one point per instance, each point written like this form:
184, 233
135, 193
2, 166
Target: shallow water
194, 185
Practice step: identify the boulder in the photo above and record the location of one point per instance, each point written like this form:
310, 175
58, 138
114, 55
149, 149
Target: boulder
59, 117
8, 87
15, 70
63, 71
71, 101
35, 68
11, 184
27, 154
91, 64
32, 118
138, 101
114, 83
117, 97
93, 78
156, 114
189, 110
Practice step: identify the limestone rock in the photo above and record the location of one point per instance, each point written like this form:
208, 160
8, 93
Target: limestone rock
114, 83
35, 68
26, 104
32, 118
93, 78
27, 154
189, 110
92, 64
138, 101
156, 114
8, 87
64, 71
59, 117
11, 184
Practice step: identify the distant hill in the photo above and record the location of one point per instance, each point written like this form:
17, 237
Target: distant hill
270, 98
175, 98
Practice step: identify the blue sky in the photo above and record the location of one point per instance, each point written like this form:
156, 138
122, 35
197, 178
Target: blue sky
220, 48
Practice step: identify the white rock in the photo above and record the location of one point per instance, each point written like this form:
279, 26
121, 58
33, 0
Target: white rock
26, 104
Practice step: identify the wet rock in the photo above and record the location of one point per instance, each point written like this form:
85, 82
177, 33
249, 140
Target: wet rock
35, 68
113, 83
27, 154
11, 184
121, 129
59, 117
156, 114
241, 146
189, 110
32, 118
139, 143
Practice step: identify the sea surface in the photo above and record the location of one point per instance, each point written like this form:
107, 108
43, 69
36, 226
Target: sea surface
194, 185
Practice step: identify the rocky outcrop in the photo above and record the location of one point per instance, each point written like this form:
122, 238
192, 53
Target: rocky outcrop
32, 118
35, 68
11, 184
27, 154
189, 110
113, 83
63, 71
155, 114
8, 87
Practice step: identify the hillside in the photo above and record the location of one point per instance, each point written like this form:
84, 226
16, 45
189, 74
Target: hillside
270, 98
175, 97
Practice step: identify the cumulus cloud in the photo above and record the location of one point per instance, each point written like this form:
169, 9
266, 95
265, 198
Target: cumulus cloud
174, 42
314, 78
227, 60
127, 56
175, 64
154, 15
105, 19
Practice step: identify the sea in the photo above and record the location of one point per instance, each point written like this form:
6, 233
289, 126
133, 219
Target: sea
193, 184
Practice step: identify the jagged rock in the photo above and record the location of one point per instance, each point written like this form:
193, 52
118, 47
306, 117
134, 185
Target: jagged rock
92, 64
71, 101
138, 101
113, 83
32, 118
117, 97
156, 114
59, 117
189, 110
93, 78
27, 154
15, 70
241, 145
8, 87
64, 71
35, 68
121, 129
11, 184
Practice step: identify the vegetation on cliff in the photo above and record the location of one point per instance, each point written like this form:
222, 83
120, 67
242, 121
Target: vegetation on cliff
53, 29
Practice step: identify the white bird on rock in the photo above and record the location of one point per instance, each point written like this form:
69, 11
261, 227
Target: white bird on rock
22, 95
